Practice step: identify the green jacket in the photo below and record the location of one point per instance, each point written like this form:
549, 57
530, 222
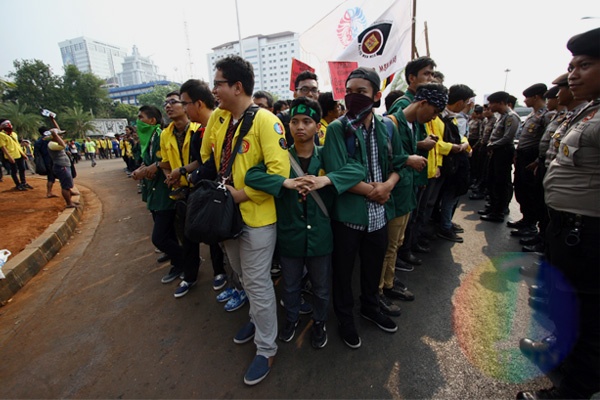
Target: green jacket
405, 199
346, 171
419, 178
155, 192
302, 228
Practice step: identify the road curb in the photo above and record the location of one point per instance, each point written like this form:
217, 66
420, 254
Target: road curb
25, 265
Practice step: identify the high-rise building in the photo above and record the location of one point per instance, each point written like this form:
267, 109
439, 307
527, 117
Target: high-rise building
88, 55
138, 70
270, 55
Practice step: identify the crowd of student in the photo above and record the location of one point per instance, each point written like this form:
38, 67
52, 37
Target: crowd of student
319, 183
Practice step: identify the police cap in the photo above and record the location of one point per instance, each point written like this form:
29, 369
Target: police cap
498, 97
552, 93
535, 90
562, 80
585, 44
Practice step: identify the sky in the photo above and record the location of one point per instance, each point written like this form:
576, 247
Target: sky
473, 42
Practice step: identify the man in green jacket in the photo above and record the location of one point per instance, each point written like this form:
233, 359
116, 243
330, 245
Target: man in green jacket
303, 224
359, 159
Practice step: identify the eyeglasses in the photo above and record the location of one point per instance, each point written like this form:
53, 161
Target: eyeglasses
306, 90
171, 102
217, 82
185, 103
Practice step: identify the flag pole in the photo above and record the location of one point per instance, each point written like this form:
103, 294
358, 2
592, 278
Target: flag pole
426, 40
237, 14
413, 29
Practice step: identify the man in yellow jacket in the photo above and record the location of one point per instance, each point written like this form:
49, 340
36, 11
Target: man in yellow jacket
250, 255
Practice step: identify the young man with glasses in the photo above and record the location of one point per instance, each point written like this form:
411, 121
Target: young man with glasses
175, 144
250, 255
306, 85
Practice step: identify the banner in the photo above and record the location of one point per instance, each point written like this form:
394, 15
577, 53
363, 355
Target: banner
297, 68
357, 30
338, 72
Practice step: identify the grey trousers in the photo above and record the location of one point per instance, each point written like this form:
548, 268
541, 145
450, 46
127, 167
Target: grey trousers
250, 257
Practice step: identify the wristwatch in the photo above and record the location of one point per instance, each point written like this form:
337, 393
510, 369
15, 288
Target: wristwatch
157, 164
182, 171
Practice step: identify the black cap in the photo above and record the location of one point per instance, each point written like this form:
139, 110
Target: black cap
366, 73
498, 97
562, 80
552, 93
535, 90
585, 44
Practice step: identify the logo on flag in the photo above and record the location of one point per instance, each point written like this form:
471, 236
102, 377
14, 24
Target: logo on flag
350, 25
372, 41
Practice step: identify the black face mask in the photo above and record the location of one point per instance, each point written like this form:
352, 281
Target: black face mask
358, 105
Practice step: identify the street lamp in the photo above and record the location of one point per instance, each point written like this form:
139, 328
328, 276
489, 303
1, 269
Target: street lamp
506, 78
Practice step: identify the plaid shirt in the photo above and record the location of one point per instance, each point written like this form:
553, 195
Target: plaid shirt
376, 211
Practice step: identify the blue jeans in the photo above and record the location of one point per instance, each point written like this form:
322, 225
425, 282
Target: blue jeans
319, 273
448, 203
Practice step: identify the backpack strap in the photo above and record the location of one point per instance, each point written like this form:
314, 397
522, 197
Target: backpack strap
247, 120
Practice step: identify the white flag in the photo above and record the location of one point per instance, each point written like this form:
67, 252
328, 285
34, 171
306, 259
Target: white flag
358, 30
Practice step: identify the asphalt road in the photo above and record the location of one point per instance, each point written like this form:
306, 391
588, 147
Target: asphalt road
97, 322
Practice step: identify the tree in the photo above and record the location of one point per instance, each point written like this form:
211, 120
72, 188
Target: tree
122, 110
77, 122
23, 121
157, 96
85, 89
36, 85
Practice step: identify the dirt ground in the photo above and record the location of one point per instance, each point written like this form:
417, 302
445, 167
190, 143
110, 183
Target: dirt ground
25, 215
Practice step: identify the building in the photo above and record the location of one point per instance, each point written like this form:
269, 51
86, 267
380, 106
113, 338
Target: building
138, 70
88, 55
129, 94
270, 55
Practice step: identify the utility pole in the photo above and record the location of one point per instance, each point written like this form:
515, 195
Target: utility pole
189, 50
506, 78
237, 14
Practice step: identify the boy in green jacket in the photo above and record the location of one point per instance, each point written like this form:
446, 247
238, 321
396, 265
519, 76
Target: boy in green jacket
303, 225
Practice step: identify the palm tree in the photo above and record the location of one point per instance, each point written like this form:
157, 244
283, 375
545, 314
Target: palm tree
24, 122
77, 122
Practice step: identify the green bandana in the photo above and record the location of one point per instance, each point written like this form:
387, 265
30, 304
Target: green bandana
145, 132
305, 110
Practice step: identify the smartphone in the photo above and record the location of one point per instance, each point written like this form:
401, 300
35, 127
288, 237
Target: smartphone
48, 113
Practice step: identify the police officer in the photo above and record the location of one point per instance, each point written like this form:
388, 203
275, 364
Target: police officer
525, 159
501, 150
572, 193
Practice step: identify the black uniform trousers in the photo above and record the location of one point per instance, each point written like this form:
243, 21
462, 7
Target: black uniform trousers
525, 184
499, 180
371, 247
573, 255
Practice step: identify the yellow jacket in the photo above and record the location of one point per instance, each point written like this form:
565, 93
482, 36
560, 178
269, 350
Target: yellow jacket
264, 142
441, 149
169, 151
323, 132
13, 148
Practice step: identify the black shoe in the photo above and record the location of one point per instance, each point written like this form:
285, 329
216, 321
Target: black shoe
399, 292
528, 241
538, 291
403, 266
517, 224
165, 257
484, 211
382, 321
275, 270
288, 331
552, 393
450, 235
492, 217
531, 271
350, 336
534, 248
526, 231
539, 304
318, 335
419, 248
476, 196
387, 307
21, 188
456, 228
410, 258
532, 348
27, 186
